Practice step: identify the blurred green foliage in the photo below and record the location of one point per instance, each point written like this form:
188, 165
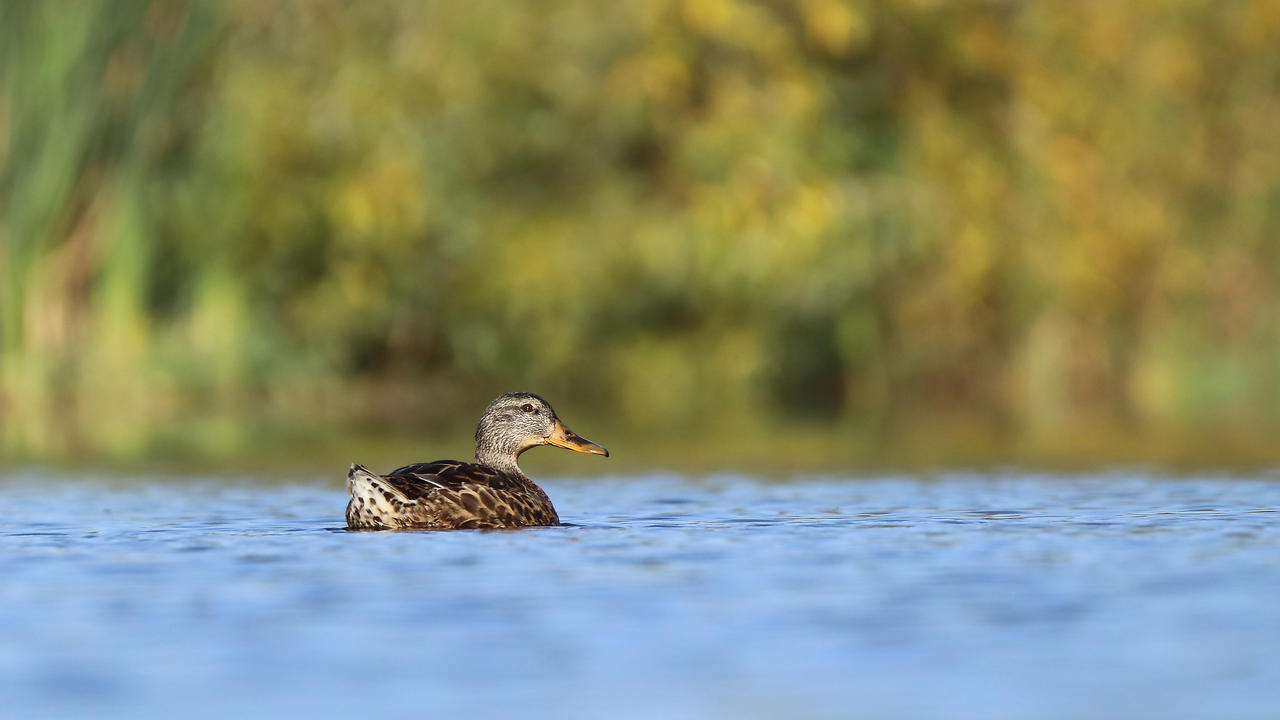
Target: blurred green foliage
675, 214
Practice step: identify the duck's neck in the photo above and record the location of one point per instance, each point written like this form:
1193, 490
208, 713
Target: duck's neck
503, 459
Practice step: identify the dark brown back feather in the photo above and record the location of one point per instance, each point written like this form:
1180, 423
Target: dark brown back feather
454, 475
449, 493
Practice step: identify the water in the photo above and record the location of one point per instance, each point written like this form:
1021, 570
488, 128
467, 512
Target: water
964, 596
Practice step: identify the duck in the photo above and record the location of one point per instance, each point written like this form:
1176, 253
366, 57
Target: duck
490, 493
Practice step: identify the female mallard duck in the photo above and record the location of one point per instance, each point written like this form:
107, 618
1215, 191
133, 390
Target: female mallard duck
492, 492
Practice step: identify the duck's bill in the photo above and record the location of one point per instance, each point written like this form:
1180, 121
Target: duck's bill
569, 440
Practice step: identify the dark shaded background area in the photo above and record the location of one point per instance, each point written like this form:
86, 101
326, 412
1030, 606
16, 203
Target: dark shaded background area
725, 231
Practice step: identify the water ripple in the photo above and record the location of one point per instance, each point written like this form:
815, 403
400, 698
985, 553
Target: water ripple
1005, 595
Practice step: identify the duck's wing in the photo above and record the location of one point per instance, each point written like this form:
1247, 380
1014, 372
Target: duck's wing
428, 468
446, 494
422, 479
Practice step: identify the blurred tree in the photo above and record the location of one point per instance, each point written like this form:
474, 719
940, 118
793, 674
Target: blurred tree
693, 211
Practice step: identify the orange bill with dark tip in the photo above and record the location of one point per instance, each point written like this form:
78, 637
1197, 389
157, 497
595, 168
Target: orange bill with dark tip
569, 440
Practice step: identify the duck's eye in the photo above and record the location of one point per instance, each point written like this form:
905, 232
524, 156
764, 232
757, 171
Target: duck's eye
527, 407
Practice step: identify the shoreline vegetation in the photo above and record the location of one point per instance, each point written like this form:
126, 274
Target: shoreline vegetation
737, 234
293, 449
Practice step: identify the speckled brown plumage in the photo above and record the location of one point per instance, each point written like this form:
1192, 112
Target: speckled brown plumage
446, 495
490, 493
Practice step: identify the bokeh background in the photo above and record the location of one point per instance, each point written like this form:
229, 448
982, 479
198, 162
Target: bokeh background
773, 233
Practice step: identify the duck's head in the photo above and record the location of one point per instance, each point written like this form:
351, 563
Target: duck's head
517, 421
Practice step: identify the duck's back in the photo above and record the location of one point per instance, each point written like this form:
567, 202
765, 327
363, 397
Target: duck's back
445, 495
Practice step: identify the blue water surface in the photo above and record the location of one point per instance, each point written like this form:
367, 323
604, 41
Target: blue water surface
1000, 595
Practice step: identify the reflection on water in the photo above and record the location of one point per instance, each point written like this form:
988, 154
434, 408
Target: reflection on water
966, 596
